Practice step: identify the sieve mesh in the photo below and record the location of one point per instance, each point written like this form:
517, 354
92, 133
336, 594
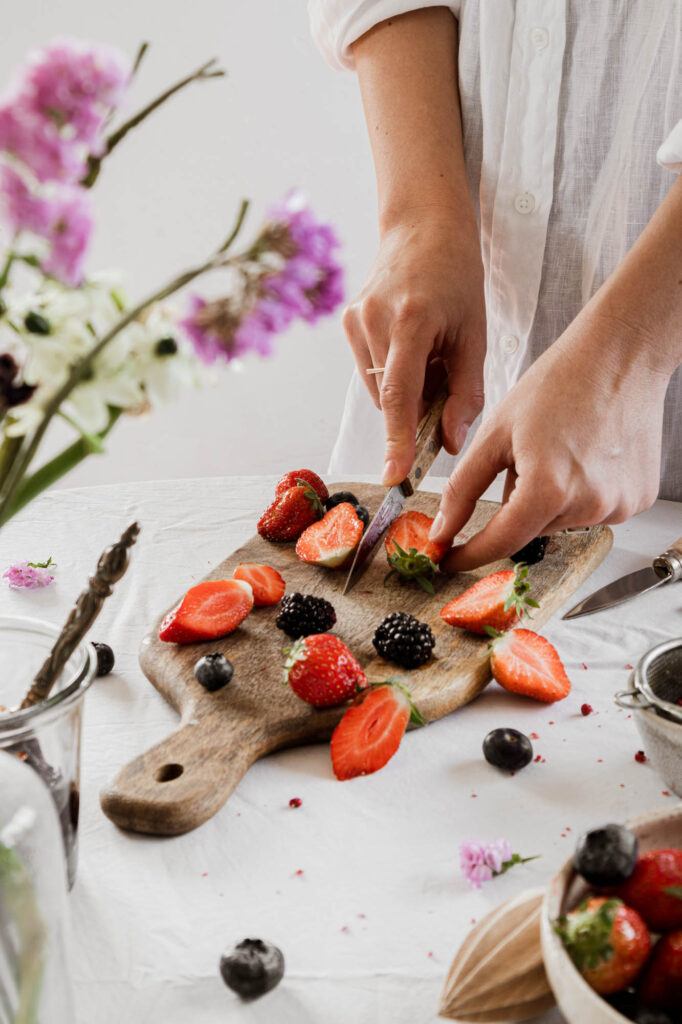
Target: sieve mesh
663, 680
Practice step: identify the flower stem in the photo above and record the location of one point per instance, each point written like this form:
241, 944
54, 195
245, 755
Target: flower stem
202, 74
4, 274
59, 466
79, 370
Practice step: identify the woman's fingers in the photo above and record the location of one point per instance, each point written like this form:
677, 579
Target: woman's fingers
465, 383
358, 343
479, 466
401, 391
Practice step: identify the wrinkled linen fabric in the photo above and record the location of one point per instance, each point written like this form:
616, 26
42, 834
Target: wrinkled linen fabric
572, 133
369, 929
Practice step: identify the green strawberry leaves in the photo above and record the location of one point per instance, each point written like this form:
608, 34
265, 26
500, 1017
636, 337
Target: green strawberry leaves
519, 598
586, 934
312, 496
412, 565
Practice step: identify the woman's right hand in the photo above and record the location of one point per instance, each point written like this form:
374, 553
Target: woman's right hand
422, 303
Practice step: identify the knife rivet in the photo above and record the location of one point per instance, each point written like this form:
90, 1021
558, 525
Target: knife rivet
417, 472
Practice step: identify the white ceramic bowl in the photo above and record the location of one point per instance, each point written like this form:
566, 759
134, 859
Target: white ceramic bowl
578, 1002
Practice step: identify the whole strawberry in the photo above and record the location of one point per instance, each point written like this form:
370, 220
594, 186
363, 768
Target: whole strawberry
290, 514
655, 889
497, 601
322, 671
306, 476
661, 985
608, 942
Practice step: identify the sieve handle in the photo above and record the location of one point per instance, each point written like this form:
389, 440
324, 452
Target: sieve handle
670, 562
631, 700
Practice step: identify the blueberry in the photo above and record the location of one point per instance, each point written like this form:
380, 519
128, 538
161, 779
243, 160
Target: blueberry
252, 968
645, 1015
606, 856
213, 671
508, 749
363, 514
339, 497
36, 323
105, 659
534, 551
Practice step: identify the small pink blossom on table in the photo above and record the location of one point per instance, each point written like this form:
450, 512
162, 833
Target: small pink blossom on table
481, 862
29, 575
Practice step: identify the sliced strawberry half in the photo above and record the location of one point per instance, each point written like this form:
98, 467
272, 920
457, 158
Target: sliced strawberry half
370, 732
330, 541
306, 476
524, 662
496, 601
267, 584
208, 611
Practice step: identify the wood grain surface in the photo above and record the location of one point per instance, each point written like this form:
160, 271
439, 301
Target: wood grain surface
182, 781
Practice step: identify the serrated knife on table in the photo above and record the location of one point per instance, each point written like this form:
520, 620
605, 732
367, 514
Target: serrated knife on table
666, 568
427, 446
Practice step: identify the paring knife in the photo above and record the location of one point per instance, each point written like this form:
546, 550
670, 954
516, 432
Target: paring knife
666, 568
427, 446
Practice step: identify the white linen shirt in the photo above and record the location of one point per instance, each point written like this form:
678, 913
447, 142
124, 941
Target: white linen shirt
571, 124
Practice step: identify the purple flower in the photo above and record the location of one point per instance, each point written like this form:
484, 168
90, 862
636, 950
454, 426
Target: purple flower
54, 113
481, 861
29, 575
22, 209
207, 343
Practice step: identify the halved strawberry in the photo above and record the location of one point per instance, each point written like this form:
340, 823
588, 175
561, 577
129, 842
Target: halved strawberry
409, 550
267, 584
307, 476
208, 611
290, 514
497, 601
322, 671
330, 541
370, 732
524, 662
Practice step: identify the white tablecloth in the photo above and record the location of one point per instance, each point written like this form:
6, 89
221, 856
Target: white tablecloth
370, 926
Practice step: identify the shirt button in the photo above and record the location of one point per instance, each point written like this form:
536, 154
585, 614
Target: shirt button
539, 38
509, 344
524, 203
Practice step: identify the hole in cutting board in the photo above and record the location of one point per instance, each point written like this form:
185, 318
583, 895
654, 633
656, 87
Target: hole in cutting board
168, 772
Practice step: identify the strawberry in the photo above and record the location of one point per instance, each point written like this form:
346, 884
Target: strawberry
306, 476
370, 732
524, 662
655, 889
409, 551
661, 985
607, 941
290, 514
498, 600
208, 611
266, 583
330, 541
322, 671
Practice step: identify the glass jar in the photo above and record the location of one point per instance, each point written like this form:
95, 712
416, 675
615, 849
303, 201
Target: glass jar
47, 736
35, 985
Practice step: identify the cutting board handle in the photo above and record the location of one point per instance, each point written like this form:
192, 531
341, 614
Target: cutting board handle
184, 780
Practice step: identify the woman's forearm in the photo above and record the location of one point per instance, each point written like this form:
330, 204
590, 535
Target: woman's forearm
407, 68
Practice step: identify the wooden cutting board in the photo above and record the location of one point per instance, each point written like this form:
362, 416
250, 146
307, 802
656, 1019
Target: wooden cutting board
185, 779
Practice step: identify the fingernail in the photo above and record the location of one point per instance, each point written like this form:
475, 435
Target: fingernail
436, 526
390, 468
462, 436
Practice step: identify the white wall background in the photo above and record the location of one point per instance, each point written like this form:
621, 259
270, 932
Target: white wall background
168, 195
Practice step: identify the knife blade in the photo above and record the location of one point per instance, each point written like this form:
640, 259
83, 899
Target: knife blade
666, 568
427, 446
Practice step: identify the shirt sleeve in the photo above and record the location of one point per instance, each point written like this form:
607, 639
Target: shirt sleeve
336, 24
670, 153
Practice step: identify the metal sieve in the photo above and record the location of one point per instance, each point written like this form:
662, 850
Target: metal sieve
656, 682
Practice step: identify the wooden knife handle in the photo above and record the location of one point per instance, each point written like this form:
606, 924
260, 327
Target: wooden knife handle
670, 562
428, 443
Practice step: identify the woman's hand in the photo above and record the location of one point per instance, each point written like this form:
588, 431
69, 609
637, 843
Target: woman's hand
579, 436
420, 314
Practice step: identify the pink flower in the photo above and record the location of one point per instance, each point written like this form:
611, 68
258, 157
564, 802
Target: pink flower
22, 209
482, 861
29, 575
54, 114
208, 345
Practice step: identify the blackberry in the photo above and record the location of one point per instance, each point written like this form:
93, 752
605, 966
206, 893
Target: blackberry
105, 659
532, 552
403, 639
339, 497
303, 614
362, 513
252, 968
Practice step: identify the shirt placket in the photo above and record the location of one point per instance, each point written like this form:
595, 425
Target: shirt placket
524, 186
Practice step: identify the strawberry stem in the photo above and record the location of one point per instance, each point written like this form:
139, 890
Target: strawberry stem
296, 653
416, 718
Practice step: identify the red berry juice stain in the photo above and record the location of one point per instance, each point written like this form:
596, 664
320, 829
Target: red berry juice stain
299, 872
584, 666
535, 736
664, 792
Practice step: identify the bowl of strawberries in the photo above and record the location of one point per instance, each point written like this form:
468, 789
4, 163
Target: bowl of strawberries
612, 925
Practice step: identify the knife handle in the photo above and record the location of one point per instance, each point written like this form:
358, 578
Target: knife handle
670, 562
427, 444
